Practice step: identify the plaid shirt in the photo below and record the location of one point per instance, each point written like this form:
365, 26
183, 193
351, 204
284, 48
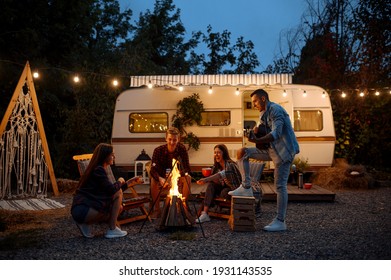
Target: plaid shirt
162, 160
231, 174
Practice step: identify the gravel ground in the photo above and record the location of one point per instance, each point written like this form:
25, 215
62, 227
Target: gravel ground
356, 226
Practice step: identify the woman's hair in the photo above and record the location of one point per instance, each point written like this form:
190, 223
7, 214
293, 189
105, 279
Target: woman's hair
100, 155
226, 156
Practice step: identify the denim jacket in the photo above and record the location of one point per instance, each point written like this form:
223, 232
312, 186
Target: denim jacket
285, 145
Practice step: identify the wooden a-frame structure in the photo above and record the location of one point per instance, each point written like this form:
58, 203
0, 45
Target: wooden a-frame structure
27, 78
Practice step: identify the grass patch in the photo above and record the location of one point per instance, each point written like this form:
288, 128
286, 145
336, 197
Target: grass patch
182, 235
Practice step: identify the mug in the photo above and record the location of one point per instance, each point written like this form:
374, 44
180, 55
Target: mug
207, 171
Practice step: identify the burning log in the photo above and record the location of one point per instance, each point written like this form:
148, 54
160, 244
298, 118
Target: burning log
175, 212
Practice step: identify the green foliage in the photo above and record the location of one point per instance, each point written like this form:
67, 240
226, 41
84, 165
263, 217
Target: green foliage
361, 128
188, 113
158, 45
346, 49
246, 60
349, 138
221, 54
189, 110
301, 164
193, 141
182, 235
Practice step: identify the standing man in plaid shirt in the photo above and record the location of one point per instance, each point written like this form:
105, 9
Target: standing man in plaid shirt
162, 161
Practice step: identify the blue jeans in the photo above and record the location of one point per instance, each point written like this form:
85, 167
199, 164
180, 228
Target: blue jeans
281, 174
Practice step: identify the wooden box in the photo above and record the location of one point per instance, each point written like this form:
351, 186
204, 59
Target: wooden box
242, 216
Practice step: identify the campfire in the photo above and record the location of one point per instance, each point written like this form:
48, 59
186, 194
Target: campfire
175, 212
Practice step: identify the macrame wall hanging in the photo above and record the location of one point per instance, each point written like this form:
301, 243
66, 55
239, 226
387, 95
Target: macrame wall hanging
25, 164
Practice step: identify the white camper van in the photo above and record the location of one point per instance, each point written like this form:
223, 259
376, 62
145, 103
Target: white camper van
142, 115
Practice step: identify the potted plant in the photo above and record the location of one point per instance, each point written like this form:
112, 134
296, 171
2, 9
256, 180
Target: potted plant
299, 167
188, 113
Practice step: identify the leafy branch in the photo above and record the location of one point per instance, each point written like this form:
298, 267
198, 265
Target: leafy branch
188, 113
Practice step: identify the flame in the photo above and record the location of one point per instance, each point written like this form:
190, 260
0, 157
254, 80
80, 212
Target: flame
175, 174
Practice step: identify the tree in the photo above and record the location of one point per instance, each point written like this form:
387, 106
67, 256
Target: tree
220, 52
371, 29
247, 60
56, 36
95, 40
222, 55
158, 45
347, 49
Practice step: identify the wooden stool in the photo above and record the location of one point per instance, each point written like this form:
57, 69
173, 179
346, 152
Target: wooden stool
242, 213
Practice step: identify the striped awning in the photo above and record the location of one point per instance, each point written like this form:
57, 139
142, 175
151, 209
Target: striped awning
221, 80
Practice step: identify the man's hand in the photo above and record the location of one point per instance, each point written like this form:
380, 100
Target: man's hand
251, 137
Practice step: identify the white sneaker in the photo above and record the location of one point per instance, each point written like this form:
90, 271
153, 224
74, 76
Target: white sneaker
114, 233
275, 225
242, 191
85, 230
204, 217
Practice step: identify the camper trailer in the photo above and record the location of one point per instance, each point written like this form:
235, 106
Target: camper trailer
143, 113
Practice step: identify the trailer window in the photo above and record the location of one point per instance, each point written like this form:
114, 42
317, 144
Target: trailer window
148, 122
308, 120
215, 118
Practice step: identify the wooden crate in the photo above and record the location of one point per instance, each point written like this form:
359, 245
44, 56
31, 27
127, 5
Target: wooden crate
242, 216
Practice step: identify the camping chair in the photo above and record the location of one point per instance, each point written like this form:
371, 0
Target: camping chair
130, 200
222, 207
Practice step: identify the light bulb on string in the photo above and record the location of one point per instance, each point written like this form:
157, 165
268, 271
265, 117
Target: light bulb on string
36, 74
377, 93
323, 95
150, 84
237, 92
343, 95
284, 93
210, 90
115, 82
362, 94
304, 94
76, 79
180, 87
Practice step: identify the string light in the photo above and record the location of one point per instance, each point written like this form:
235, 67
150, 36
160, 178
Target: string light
180, 87
323, 95
76, 79
284, 93
237, 92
